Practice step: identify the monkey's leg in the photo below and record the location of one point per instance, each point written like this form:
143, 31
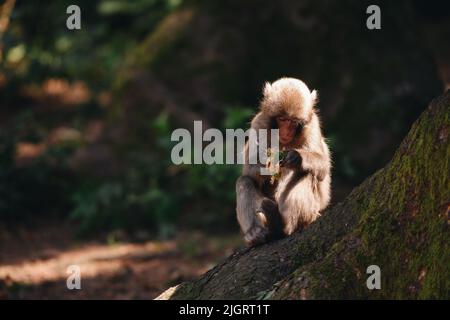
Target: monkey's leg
258, 216
268, 211
299, 204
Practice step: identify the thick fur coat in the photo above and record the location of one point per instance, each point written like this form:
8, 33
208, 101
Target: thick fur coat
301, 193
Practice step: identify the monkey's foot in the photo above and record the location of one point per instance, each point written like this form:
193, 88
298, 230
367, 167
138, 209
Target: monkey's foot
271, 218
256, 235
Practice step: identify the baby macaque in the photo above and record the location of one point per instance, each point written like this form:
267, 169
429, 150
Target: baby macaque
269, 208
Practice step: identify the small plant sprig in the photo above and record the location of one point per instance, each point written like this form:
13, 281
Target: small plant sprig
274, 158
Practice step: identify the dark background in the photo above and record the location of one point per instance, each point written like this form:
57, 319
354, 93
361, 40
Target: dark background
86, 117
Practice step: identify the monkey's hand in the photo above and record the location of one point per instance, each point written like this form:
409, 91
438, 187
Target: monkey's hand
292, 160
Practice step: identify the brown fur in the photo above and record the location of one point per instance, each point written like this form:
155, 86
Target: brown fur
301, 193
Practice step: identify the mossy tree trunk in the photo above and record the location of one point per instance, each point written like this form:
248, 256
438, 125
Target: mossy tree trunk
398, 219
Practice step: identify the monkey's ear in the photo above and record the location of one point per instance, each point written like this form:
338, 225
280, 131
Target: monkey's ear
267, 89
314, 97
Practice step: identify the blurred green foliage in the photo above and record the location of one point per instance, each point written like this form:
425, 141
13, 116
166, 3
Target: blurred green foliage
37, 47
145, 197
37, 189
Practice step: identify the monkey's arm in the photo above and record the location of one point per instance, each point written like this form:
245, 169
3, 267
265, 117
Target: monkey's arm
252, 170
313, 153
252, 164
257, 214
316, 163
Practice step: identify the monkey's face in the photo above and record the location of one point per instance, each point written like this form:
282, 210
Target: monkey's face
288, 129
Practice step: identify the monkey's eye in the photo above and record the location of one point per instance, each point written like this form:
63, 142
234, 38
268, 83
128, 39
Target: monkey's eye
300, 123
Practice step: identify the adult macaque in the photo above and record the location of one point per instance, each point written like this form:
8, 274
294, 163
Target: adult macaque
268, 209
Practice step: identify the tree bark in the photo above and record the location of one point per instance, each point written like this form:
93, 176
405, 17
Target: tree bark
397, 219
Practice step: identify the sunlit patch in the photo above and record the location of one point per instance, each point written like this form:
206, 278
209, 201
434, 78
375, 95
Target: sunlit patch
34, 263
59, 91
94, 260
27, 152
